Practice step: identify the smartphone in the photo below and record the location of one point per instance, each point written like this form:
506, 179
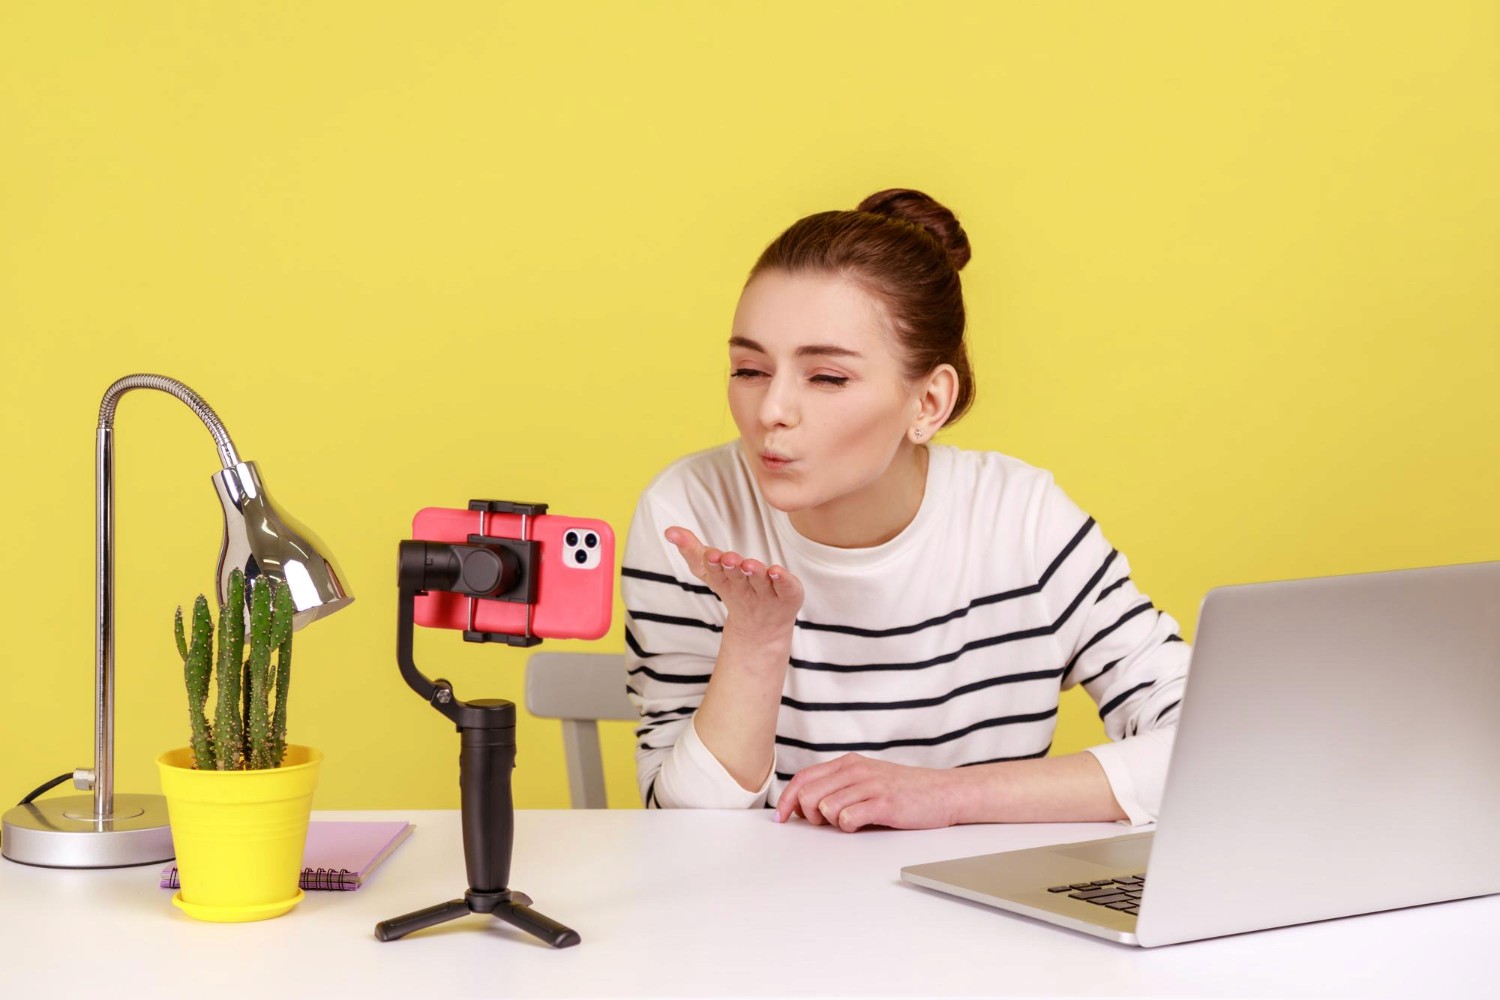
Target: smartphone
575, 575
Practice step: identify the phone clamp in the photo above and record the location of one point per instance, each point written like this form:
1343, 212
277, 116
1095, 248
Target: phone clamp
487, 739
527, 554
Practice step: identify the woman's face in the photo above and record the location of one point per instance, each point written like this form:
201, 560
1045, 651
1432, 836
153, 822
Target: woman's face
816, 388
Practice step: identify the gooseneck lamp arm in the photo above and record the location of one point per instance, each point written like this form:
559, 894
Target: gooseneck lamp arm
103, 776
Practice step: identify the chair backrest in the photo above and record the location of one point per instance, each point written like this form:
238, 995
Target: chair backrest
580, 689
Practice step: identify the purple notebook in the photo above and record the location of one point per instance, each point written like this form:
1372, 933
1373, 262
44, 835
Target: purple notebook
340, 854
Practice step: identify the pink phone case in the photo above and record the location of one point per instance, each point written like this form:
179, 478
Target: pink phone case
575, 582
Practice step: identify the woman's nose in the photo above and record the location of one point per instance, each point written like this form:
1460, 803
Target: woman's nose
778, 407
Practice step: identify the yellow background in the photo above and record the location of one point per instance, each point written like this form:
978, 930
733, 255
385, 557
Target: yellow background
1234, 282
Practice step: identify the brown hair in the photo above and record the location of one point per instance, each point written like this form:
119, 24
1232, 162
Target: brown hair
907, 250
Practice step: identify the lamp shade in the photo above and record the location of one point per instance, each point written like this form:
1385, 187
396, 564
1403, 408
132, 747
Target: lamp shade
261, 539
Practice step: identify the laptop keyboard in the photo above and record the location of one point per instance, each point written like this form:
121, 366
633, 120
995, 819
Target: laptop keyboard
1123, 893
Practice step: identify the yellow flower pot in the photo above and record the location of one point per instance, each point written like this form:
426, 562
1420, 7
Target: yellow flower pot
239, 835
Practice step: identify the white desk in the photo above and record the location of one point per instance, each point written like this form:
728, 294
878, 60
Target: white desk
696, 904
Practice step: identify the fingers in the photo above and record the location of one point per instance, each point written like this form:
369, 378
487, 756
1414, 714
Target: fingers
784, 585
755, 575
684, 539
730, 580
729, 573
855, 792
866, 812
845, 793
851, 807
808, 787
819, 801
713, 570
772, 582
718, 569
692, 550
810, 801
786, 806
705, 562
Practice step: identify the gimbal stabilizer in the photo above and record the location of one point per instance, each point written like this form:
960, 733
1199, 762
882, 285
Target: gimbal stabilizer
494, 569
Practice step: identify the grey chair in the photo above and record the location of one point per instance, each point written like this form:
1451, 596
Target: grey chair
580, 689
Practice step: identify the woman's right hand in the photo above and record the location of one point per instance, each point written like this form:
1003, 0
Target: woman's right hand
762, 601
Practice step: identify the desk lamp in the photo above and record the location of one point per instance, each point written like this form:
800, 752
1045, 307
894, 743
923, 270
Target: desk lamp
107, 830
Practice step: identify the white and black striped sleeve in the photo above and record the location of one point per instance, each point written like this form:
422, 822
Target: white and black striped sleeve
672, 628
1128, 654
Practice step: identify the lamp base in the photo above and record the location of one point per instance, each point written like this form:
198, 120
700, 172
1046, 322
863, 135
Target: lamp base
63, 833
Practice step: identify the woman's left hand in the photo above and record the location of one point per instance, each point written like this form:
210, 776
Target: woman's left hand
856, 791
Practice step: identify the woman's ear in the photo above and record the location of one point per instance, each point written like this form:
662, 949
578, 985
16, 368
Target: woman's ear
936, 394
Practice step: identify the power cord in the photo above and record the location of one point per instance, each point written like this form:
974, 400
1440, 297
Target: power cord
43, 789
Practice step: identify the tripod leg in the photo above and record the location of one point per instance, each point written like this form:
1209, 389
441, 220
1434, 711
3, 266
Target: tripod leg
538, 925
399, 927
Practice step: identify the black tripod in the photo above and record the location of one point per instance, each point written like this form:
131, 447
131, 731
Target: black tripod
498, 569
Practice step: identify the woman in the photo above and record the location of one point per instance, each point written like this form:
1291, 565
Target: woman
837, 618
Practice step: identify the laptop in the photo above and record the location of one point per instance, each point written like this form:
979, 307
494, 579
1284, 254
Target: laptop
1337, 753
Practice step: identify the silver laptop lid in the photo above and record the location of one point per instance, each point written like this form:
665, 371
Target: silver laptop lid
1338, 753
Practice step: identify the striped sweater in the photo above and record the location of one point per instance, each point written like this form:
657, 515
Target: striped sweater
946, 646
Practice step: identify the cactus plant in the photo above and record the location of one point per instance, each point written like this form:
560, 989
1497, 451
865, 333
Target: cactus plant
257, 700
228, 746
196, 670
248, 730
281, 637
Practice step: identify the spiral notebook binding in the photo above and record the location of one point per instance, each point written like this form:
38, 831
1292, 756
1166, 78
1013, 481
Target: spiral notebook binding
335, 879
329, 878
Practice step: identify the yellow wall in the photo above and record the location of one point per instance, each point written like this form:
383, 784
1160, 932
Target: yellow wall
1234, 282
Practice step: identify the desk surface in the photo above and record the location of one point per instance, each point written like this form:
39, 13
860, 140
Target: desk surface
701, 904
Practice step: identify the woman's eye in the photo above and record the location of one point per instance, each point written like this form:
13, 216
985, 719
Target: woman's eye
746, 373
835, 380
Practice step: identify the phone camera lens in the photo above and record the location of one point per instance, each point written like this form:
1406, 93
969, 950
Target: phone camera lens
580, 556
591, 539
571, 538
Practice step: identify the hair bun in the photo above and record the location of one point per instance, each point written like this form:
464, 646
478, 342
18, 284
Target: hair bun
926, 212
